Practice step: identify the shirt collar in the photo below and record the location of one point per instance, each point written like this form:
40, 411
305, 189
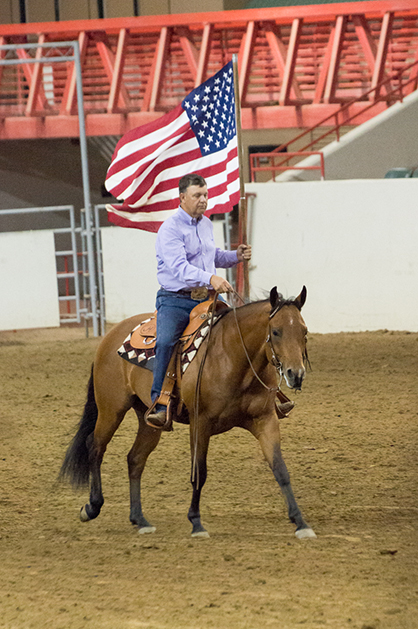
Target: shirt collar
186, 218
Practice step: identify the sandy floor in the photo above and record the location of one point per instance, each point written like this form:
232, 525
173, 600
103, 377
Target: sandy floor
350, 446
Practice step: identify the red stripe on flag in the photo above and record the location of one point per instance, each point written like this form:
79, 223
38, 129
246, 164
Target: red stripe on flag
151, 226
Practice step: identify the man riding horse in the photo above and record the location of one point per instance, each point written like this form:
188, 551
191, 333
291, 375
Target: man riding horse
187, 259
267, 340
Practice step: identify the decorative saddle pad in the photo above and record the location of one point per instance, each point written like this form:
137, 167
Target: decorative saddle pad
144, 357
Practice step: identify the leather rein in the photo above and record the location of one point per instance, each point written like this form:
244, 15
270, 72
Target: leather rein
275, 360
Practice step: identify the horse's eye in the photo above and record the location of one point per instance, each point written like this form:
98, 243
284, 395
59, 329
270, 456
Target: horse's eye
276, 332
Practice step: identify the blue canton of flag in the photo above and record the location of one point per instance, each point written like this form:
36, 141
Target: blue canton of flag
211, 111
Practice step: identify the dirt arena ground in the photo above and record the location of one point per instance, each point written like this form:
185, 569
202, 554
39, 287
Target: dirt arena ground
350, 446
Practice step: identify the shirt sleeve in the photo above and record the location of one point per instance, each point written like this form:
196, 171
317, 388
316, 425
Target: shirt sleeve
172, 252
225, 259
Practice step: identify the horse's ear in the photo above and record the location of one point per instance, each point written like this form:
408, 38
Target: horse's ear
274, 298
300, 299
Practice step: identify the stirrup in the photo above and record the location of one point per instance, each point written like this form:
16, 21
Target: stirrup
167, 426
283, 409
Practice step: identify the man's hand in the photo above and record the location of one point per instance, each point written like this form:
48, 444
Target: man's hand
244, 252
220, 285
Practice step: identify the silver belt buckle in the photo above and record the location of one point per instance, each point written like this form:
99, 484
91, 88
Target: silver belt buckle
199, 293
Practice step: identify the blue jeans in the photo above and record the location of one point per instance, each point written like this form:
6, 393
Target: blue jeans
173, 312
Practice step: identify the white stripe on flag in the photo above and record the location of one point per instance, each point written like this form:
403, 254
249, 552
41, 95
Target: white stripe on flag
224, 196
149, 139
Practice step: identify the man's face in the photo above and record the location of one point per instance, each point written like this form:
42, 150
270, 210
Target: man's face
194, 201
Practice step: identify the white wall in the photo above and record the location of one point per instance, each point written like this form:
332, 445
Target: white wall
28, 281
130, 270
353, 243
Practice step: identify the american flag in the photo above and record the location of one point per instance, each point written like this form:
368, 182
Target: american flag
198, 136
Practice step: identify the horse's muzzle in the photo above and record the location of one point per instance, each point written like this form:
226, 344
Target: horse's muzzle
294, 378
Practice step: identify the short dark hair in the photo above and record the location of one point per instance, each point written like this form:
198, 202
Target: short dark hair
191, 180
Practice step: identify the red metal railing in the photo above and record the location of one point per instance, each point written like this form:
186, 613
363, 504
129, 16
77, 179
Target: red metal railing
296, 65
343, 118
273, 168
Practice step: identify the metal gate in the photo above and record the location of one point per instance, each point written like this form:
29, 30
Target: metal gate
34, 58
67, 251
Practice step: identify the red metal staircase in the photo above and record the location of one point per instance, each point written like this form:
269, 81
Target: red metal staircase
297, 65
332, 127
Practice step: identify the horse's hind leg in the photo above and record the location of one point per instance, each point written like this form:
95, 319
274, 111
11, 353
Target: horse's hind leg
146, 441
268, 433
107, 423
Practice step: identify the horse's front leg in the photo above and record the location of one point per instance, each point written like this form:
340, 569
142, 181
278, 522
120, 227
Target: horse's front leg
267, 431
199, 443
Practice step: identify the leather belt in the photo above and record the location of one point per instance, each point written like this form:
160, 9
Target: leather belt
183, 292
198, 294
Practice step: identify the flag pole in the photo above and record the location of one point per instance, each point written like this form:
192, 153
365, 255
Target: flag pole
242, 207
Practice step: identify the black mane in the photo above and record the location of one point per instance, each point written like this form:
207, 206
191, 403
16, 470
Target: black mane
291, 301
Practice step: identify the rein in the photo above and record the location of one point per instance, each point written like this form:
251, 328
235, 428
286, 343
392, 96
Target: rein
275, 359
275, 362
197, 390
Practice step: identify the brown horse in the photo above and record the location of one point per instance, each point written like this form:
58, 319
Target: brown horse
249, 351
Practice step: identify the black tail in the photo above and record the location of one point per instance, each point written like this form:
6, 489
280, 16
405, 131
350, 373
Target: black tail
76, 468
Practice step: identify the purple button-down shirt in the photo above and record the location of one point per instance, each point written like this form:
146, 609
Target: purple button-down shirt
186, 253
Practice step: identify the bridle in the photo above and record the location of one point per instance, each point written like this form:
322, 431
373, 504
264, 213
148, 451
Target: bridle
275, 360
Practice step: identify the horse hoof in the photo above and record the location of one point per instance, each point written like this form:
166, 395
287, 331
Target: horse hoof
146, 529
305, 534
83, 514
201, 534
